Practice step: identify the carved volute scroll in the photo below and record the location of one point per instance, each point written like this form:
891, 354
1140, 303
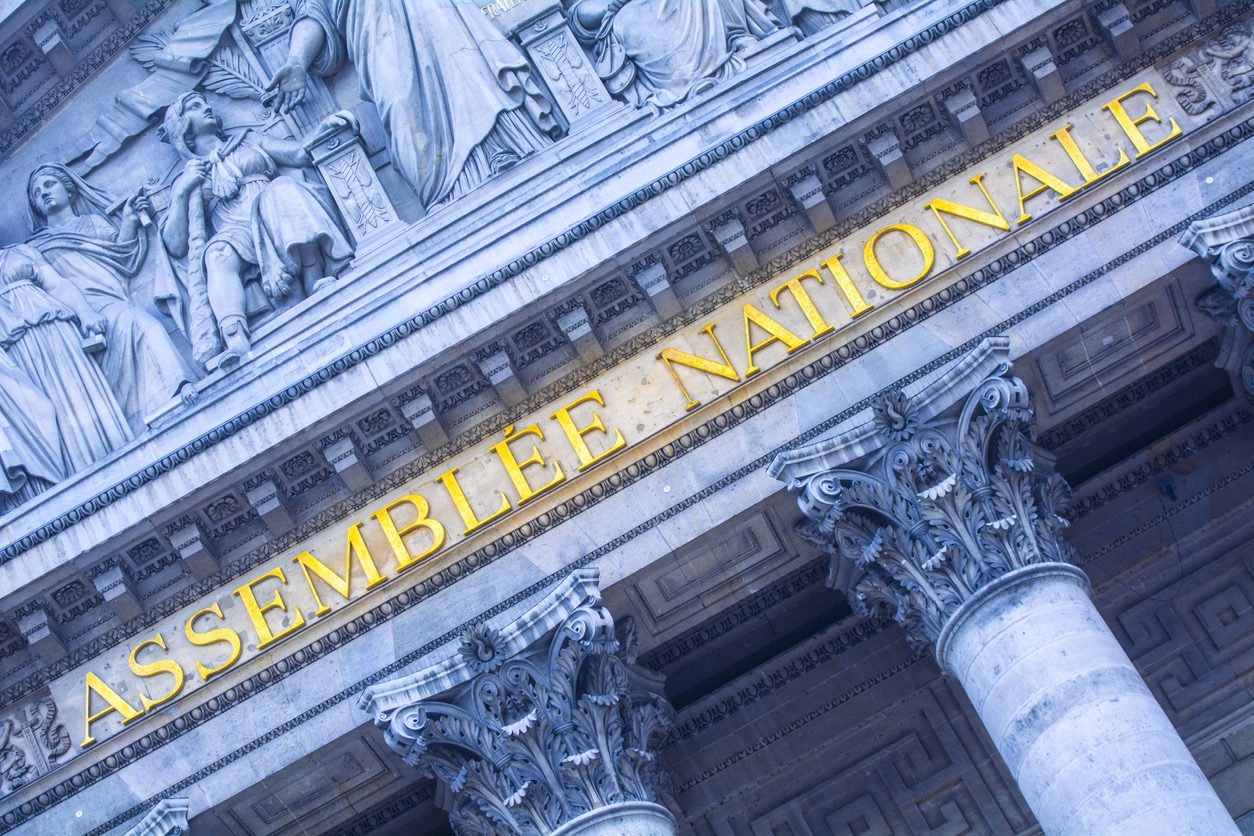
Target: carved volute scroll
531, 726
32, 742
1226, 243
943, 508
168, 817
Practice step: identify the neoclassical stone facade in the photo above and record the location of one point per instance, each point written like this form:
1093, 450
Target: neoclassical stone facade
550, 416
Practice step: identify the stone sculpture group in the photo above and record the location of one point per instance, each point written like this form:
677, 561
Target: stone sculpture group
245, 227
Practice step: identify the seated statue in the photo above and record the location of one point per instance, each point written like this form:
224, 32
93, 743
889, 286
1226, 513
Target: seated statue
811, 16
660, 52
43, 322
233, 216
72, 230
457, 99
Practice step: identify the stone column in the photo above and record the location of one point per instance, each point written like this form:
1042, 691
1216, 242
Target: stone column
543, 726
1226, 243
941, 515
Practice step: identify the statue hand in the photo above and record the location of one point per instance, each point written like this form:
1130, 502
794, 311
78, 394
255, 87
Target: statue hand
193, 175
93, 324
339, 119
288, 86
137, 205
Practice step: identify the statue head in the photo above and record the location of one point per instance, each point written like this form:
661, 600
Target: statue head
53, 186
188, 116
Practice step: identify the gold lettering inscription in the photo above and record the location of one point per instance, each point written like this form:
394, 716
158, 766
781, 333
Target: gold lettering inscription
208, 637
1132, 125
395, 536
257, 612
993, 218
95, 685
775, 333
1048, 182
1090, 174
796, 288
356, 548
449, 480
921, 241
146, 670
514, 468
847, 288
575, 435
669, 356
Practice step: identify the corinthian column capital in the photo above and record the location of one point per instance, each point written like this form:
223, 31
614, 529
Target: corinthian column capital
542, 726
1226, 243
938, 494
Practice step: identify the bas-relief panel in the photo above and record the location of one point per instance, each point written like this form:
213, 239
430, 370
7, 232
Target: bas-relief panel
249, 195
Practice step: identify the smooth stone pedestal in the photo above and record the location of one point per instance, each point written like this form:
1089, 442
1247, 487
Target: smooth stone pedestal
1090, 748
631, 818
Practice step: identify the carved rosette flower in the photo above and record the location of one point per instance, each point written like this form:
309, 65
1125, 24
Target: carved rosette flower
941, 513
895, 417
541, 736
479, 648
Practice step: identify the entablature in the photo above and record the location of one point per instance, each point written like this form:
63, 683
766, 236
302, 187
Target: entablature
505, 350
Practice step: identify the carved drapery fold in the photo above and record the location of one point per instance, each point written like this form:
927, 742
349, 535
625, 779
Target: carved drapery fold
946, 505
1226, 243
531, 726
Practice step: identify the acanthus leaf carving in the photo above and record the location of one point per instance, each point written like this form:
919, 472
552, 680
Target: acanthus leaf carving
1226, 243
537, 735
945, 508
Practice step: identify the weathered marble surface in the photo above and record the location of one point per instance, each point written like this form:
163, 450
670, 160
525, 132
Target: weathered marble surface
469, 241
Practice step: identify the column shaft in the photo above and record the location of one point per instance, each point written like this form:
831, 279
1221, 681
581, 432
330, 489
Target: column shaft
1089, 746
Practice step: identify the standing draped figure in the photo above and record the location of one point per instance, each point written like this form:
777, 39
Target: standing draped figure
141, 363
43, 320
659, 52
455, 95
31, 458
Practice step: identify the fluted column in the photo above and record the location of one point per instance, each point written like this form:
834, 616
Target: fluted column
544, 726
1226, 243
939, 513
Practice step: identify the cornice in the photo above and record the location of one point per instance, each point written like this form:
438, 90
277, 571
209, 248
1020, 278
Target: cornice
589, 225
32, 117
553, 391
1166, 173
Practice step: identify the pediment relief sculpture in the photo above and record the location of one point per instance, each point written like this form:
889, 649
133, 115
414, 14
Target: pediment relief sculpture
234, 219
57, 409
812, 16
657, 52
72, 229
456, 97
